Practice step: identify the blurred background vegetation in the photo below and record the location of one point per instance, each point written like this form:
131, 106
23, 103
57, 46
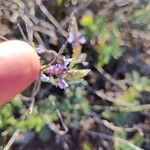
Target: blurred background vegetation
108, 109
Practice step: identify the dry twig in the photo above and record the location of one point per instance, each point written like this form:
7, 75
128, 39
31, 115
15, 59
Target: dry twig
108, 137
12, 139
51, 18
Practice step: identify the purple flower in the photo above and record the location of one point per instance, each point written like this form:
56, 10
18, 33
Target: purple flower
61, 83
67, 61
58, 70
76, 38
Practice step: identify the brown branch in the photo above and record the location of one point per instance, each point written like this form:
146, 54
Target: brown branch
120, 129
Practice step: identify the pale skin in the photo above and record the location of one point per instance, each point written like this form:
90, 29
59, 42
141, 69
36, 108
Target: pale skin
19, 67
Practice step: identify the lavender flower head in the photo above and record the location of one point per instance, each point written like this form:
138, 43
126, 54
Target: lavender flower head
58, 70
76, 38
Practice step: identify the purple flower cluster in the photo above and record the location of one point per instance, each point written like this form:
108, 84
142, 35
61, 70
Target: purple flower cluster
76, 38
58, 71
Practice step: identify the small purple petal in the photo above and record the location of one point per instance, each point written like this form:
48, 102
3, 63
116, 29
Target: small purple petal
56, 69
82, 40
67, 61
78, 34
59, 69
61, 83
76, 38
44, 77
70, 38
85, 63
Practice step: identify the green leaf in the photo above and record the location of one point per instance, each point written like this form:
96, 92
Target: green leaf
44, 133
86, 146
76, 73
86, 20
72, 63
129, 95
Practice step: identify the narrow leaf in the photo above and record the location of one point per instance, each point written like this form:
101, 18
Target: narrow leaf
76, 73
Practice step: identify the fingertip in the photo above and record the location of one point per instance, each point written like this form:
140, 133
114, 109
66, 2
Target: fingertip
19, 67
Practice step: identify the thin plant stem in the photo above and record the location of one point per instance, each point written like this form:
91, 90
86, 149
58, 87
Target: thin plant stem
112, 138
22, 33
51, 18
12, 139
52, 126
